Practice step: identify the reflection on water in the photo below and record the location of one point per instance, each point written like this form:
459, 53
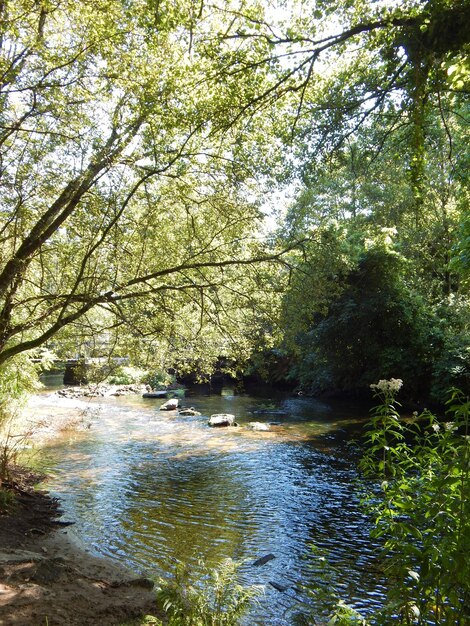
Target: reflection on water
147, 486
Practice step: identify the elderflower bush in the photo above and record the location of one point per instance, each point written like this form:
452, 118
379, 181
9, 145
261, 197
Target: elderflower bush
422, 509
418, 499
388, 387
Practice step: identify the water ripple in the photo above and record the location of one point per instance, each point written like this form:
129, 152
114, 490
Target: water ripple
145, 487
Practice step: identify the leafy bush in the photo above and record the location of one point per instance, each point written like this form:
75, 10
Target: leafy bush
216, 599
420, 504
159, 379
19, 377
422, 510
126, 375
11, 446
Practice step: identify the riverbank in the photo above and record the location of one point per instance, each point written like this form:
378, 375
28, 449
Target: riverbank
48, 577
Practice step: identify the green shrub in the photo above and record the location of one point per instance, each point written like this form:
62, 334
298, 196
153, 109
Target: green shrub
419, 500
215, 599
159, 379
19, 377
422, 510
126, 375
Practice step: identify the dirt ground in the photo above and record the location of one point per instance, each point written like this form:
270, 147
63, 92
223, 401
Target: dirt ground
48, 579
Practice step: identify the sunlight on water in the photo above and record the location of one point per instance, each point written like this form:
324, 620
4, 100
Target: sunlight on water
146, 487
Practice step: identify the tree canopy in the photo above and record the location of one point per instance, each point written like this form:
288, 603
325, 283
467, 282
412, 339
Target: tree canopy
119, 175
138, 140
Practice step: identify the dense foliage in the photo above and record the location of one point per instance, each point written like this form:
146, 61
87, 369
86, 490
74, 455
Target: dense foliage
422, 510
374, 328
138, 141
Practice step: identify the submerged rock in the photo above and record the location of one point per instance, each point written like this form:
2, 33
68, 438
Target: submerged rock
161, 393
263, 560
222, 419
190, 412
99, 391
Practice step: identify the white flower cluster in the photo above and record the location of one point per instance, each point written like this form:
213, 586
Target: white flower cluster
388, 386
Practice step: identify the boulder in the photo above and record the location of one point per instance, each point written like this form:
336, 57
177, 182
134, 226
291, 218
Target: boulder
222, 419
262, 426
170, 405
99, 391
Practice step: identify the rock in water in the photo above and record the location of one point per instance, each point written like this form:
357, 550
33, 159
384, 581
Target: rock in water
222, 419
191, 411
262, 426
162, 393
170, 405
264, 559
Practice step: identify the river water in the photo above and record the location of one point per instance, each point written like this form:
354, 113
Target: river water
146, 487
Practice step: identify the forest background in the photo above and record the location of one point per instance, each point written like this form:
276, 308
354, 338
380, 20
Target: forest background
143, 144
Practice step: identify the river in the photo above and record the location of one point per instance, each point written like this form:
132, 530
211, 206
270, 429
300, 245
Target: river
146, 487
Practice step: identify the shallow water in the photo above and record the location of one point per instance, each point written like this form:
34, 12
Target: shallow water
145, 486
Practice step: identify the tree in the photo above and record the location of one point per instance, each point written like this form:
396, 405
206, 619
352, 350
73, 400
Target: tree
378, 53
119, 121
338, 66
119, 180
370, 326
341, 336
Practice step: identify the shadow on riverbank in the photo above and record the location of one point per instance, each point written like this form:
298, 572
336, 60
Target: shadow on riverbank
48, 577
